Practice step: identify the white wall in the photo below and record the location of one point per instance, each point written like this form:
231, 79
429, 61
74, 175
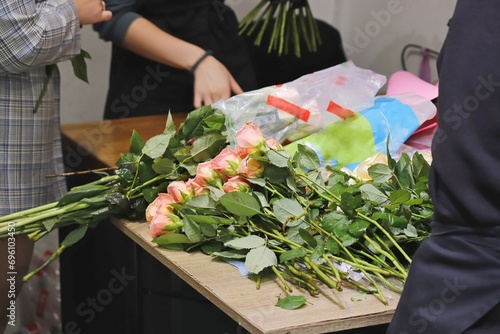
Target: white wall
374, 33
82, 102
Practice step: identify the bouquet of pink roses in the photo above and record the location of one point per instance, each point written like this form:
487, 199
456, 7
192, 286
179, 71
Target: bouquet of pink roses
280, 213
284, 214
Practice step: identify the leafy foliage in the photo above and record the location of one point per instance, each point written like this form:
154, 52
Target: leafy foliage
297, 220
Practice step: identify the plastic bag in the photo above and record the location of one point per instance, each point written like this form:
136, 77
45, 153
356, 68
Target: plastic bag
301, 107
388, 123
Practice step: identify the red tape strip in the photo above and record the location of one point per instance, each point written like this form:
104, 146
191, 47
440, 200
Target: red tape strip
292, 109
342, 112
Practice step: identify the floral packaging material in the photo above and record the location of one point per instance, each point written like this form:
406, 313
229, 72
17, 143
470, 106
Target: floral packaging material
386, 125
301, 107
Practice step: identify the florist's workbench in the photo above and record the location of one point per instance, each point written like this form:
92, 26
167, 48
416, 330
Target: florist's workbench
219, 282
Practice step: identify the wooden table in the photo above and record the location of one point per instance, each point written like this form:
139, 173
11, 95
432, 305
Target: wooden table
218, 281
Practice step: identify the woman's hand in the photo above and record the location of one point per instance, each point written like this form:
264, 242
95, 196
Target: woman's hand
92, 11
213, 82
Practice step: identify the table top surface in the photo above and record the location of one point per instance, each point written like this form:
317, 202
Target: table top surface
106, 140
220, 282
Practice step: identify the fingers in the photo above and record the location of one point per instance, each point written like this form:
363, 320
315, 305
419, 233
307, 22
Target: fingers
235, 88
212, 95
92, 11
105, 16
213, 82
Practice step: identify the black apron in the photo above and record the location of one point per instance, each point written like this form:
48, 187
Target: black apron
139, 87
454, 279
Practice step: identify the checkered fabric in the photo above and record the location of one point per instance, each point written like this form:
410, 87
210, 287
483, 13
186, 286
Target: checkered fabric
32, 35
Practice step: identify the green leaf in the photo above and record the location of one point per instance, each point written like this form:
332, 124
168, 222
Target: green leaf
241, 204
136, 143
210, 220
80, 66
332, 246
215, 122
338, 224
49, 70
410, 231
163, 166
211, 247
49, 223
380, 173
208, 230
215, 193
262, 199
85, 191
307, 158
400, 196
293, 233
146, 171
331, 219
291, 302
74, 236
172, 238
276, 174
258, 181
260, 258
317, 254
232, 254
404, 171
358, 227
279, 158
390, 219
287, 210
308, 238
117, 199
292, 254
373, 194
420, 166
127, 163
349, 203
155, 147
192, 230
207, 147
170, 129
151, 193
248, 242
193, 125
202, 201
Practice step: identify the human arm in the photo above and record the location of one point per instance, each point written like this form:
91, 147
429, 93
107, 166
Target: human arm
137, 34
36, 34
212, 80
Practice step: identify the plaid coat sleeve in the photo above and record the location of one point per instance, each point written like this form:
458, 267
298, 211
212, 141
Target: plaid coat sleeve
35, 33
32, 34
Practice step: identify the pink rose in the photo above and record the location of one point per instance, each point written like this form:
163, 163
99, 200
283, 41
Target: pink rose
274, 144
194, 187
249, 135
249, 139
161, 205
206, 175
179, 191
157, 224
236, 183
251, 168
226, 162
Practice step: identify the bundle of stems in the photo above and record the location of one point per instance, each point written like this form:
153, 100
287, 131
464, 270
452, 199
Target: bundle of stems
284, 24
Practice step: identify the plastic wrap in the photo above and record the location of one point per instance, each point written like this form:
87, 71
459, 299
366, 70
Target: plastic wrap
296, 109
386, 124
